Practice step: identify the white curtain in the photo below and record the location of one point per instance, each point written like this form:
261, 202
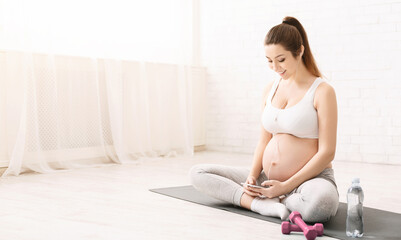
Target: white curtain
85, 83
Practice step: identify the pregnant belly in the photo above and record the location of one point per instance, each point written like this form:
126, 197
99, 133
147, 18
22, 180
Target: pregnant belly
291, 155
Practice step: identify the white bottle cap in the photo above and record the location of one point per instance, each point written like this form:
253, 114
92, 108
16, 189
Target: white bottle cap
355, 180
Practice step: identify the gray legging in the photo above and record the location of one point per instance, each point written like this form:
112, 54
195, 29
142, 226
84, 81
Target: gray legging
316, 199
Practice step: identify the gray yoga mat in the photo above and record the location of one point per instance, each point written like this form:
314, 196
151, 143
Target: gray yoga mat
378, 224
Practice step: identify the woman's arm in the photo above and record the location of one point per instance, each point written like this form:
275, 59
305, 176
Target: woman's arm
326, 105
264, 139
257, 164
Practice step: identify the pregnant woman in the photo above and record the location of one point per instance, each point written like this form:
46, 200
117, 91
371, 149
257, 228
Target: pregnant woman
297, 144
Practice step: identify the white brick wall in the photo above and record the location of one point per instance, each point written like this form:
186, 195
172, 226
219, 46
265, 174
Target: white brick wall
357, 45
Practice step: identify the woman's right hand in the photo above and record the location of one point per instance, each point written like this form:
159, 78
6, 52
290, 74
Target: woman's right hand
247, 190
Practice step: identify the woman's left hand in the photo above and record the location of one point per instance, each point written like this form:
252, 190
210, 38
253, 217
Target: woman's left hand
274, 188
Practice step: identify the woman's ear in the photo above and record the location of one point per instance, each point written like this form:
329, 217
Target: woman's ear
302, 51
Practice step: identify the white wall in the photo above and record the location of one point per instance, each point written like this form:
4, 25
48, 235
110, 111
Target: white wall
357, 45
153, 30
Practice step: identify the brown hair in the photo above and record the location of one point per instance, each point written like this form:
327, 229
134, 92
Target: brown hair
291, 35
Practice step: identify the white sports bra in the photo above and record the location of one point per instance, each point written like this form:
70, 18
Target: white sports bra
299, 120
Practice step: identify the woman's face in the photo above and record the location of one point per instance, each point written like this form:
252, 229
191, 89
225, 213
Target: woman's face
281, 61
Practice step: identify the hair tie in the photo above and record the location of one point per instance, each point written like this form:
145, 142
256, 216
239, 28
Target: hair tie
286, 22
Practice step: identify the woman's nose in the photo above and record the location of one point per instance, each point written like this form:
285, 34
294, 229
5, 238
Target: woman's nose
275, 67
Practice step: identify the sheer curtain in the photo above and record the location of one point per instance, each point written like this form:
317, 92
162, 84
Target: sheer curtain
84, 83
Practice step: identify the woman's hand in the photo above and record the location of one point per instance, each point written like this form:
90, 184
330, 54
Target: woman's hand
274, 189
248, 190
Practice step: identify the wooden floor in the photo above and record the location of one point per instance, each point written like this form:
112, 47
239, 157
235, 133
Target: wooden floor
113, 202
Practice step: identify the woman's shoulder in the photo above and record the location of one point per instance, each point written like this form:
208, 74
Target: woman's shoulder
266, 91
325, 92
324, 87
268, 88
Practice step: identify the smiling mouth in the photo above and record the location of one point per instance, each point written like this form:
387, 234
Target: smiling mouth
282, 72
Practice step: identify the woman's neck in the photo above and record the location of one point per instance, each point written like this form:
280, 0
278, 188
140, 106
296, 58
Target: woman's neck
302, 76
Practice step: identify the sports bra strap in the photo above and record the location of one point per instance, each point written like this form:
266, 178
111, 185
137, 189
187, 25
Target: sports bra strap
273, 90
309, 94
312, 89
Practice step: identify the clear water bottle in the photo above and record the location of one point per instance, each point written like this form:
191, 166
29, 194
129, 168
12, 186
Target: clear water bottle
355, 208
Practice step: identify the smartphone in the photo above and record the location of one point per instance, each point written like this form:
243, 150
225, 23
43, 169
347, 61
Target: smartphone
255, 186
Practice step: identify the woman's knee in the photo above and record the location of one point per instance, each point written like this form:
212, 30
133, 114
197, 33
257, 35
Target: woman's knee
194, 173
197, 172
322, 206
315, 205
321, 209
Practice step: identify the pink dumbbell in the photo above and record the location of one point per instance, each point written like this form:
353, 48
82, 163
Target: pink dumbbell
309, 231
287, 228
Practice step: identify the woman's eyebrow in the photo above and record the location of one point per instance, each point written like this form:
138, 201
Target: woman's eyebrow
275, 57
